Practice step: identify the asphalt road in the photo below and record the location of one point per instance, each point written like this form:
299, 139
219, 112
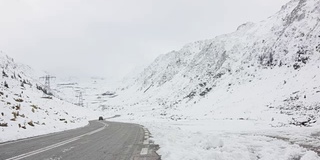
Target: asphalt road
100, 140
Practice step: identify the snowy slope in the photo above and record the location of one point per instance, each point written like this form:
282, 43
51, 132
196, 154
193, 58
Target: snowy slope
259, 67
23, 113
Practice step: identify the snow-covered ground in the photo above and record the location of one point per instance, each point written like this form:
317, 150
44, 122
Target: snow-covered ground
222, 140
225, 139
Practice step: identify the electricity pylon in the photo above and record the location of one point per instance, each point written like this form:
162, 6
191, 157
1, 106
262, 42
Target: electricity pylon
80, 99
47, 79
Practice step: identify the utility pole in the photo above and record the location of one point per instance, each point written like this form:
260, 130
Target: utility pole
80, 99
47, 79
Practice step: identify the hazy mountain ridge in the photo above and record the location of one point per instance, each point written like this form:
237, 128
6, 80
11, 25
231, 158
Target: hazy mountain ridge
287, 45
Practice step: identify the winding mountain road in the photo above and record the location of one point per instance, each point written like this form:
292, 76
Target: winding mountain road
100, 140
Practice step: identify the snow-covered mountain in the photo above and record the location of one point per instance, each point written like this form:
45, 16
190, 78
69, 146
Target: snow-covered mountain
242, 95
267, 71
23, 111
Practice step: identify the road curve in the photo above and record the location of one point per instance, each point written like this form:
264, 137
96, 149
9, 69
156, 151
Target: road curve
100, 140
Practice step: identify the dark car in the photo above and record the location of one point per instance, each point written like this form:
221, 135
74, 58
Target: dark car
100, 118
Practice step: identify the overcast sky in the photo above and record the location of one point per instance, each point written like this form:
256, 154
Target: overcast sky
111, 37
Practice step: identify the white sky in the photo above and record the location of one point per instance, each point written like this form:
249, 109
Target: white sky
111, 37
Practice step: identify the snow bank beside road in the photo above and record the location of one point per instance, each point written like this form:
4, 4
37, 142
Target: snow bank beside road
49, 117
191, 141
228, 139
